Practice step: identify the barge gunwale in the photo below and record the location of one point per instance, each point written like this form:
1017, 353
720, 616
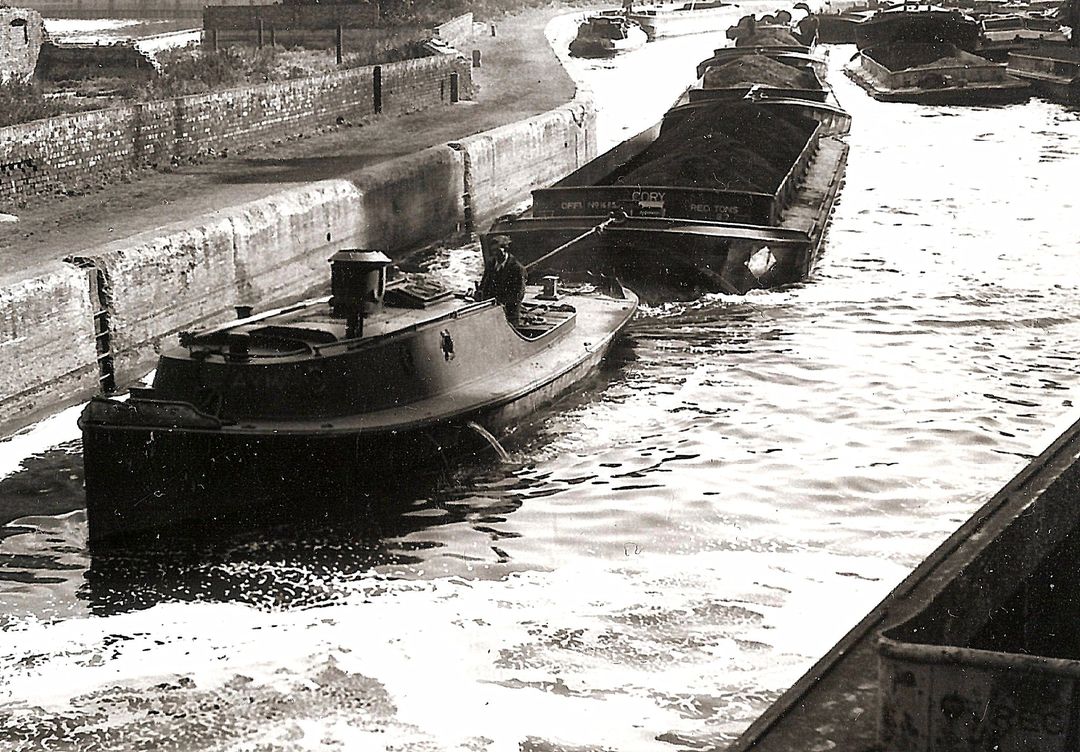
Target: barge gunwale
659, 22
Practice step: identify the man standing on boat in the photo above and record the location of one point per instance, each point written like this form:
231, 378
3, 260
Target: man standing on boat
504, 279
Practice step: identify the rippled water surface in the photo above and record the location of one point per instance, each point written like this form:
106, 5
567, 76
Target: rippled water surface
661, 555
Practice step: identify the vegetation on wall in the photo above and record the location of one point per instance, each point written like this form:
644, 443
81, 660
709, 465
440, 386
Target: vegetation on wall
23, 102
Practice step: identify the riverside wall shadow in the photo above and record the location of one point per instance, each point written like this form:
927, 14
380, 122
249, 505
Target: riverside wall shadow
264, 252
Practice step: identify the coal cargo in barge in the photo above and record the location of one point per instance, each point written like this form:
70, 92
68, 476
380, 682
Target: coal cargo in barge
721, 196
319, 402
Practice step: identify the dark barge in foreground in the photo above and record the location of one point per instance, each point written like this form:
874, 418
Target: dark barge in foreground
320, 399
975, 651
743, 206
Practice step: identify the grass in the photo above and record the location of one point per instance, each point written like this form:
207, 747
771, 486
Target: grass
23, 102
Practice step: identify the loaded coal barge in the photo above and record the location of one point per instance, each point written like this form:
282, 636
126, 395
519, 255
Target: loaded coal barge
730, 192
322, 399
924, 55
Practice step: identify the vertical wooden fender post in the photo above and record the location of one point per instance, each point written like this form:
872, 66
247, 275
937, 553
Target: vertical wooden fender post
376, 88
99, 301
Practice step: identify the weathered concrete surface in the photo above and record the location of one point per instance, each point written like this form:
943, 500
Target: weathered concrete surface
410, 201
159, 283
46, 327
504, 164
834, 706
281, 243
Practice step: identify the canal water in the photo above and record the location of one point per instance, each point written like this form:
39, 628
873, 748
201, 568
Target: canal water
661, 555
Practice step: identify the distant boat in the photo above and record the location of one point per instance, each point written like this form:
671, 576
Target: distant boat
923, 24
326, 398
678, 19
607, 35
1053, 72
1001, 34
933, 73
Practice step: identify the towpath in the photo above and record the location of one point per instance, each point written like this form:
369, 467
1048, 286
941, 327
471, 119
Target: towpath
520, 77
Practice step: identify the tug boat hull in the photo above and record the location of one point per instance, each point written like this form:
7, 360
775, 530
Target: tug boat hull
441, 386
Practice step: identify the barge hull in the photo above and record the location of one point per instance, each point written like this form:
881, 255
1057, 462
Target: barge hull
1006, 92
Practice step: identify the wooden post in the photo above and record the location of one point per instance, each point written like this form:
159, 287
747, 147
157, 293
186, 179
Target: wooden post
273, 36
339, 43
259, 38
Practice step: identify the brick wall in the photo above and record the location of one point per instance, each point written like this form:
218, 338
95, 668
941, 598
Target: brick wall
412, 85
21, 35
80, 151
367, 42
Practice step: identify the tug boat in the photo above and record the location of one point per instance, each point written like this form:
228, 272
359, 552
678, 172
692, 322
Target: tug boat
326, 398
607, 35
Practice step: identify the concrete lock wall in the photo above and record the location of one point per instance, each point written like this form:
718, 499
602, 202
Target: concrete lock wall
191, 273
164, 281
47, 349
410, 201
504, 164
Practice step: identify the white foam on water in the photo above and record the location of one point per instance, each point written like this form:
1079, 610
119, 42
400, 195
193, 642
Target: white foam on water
592, 654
